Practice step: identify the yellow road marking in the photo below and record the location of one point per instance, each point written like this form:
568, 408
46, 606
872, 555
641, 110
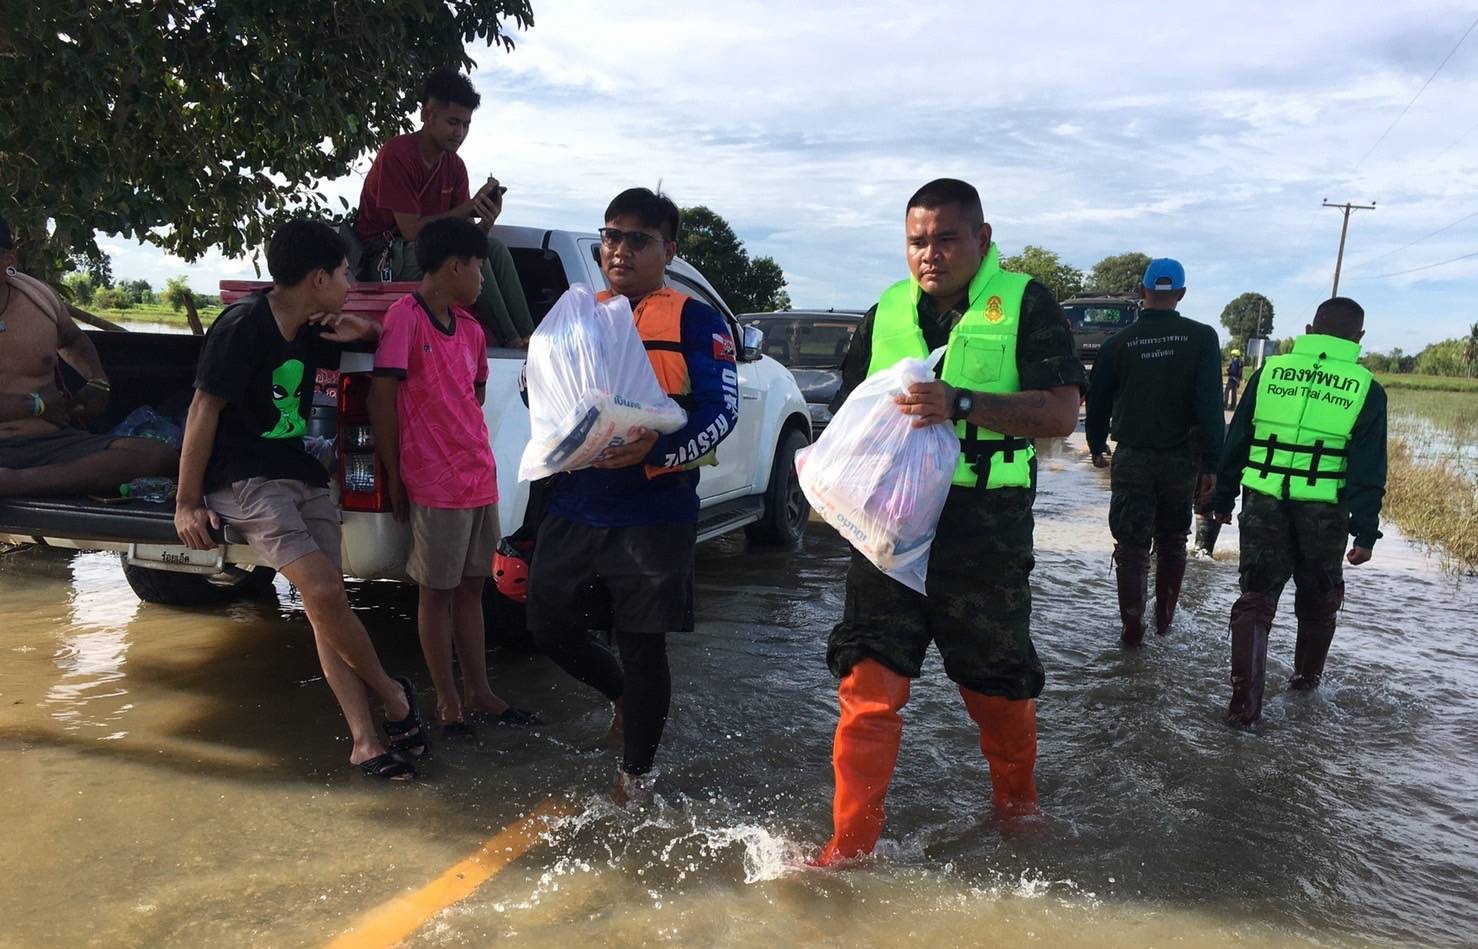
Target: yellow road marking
389, 924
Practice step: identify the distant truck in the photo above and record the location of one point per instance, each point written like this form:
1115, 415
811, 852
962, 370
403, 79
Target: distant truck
1095, 318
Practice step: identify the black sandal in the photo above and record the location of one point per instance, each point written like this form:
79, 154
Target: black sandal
457, 729
390, 766
509, 716
409, 735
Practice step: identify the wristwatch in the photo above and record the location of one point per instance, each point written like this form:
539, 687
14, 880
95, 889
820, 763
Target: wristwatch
964, 404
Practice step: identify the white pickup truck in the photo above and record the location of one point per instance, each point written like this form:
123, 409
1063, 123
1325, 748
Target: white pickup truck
753, 485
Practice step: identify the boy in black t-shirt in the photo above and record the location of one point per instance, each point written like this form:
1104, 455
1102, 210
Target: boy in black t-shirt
243, 461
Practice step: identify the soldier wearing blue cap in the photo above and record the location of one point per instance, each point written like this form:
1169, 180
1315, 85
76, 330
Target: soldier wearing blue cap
1156, 388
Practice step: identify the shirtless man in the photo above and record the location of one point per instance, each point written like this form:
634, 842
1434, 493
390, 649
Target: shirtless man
44, 447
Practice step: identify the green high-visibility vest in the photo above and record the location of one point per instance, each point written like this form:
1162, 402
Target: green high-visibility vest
1307, 404
980, 356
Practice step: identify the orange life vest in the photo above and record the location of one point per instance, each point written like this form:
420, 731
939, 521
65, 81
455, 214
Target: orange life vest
659, 323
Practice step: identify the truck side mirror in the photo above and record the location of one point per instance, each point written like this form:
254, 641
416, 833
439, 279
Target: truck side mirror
754, 338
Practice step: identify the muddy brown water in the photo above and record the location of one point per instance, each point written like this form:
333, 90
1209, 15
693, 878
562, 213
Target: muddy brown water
174, 778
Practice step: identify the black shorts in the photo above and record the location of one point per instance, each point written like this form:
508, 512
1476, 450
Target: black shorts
645, 571
59, 447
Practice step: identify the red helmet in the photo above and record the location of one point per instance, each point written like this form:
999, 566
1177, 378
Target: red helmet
511, 567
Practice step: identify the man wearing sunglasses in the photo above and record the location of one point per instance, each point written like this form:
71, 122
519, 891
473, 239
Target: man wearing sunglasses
629, 524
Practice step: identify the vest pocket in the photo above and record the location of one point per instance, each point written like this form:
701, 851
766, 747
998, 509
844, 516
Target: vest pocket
980, 360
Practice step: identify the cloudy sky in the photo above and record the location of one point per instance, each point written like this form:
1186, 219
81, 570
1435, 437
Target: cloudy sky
1207, 132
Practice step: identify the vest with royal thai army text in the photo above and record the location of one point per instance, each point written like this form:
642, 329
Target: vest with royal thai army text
659, 323
1305, 410
980, 356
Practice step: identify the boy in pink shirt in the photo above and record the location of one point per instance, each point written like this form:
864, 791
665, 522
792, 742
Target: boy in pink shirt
426, 407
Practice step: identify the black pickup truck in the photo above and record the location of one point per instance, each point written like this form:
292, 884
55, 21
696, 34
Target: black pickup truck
1094, 319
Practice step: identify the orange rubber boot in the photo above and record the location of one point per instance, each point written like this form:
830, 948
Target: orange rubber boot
1008, 739
862, 757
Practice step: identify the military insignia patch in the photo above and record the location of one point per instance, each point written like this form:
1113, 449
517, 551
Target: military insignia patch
993, 311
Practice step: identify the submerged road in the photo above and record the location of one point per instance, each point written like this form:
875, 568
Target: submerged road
175, 778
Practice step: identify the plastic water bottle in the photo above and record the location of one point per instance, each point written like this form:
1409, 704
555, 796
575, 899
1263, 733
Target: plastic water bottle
155, 489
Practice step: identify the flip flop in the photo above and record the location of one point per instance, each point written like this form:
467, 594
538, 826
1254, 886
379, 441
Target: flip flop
390, 766
457, 729
409, 735
517, 717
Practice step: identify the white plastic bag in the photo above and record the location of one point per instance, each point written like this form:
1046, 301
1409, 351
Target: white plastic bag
878, 480
590, 385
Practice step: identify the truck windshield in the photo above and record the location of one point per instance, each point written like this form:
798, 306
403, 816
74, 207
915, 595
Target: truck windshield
1098, 316
807, 344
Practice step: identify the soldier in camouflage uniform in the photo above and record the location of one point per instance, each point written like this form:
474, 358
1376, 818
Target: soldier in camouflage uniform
1027, 384
1157, 387
1311, 462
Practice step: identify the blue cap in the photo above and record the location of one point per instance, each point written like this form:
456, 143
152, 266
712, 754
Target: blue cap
1164, 273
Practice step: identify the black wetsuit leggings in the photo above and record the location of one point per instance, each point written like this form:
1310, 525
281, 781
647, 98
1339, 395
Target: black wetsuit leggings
641, 679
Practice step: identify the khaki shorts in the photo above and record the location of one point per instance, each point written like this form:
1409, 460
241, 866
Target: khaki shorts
283, 519
448, 544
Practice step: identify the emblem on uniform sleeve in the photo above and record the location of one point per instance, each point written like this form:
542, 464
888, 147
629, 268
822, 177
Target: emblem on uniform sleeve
723, 347
993, 311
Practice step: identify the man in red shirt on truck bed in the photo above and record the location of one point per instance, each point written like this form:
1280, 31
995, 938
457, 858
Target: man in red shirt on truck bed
418, 178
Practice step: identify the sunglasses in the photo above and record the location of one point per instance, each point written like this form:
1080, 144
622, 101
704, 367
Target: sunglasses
638, 241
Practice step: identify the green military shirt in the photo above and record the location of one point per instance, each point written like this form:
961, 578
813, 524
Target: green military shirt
1365, 474
1155, 381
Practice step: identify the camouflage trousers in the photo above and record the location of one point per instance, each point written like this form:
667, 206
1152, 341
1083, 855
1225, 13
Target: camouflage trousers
1151, 495
978, 611
1299, 540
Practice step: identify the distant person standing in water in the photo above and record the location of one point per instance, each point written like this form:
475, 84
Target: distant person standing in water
1308, 446
1234, 380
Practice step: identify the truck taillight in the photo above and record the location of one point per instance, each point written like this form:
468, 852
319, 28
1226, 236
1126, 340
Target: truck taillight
361, 479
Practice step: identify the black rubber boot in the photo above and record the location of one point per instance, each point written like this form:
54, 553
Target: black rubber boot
1169, 575
1208, 528
1252, 618
1316, 610
1131, 571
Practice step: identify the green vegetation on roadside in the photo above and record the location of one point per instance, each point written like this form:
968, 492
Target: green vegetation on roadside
1432, 478
1436, 505
154, 313
1412, 380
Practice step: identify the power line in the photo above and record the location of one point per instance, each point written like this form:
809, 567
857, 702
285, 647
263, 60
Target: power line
1440, 263
1418, 94
1453, 144
1448, 227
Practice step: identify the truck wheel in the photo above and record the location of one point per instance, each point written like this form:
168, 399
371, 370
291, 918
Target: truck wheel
786, 507
191, 589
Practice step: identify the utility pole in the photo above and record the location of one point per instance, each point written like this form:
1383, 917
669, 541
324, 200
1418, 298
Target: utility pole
1339, 260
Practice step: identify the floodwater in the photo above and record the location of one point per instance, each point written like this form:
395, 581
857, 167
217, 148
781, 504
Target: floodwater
175, 778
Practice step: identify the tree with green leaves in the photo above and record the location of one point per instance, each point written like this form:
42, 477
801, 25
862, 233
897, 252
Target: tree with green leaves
748, 286
112, 298
176, 292
1248, 316
138, 291
1119, 274
1062, 278
192, 125
80, 287
94, 263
